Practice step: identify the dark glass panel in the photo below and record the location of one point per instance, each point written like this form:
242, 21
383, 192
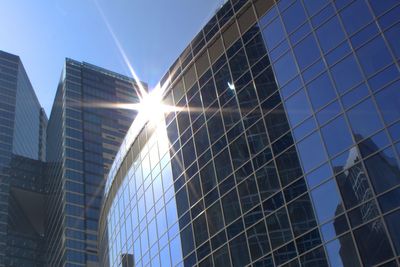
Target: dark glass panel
221, 257
390, 200
239, 251
255, 49
276, 123
231, 208
367, 211
373, 244
267, 180
214, 218
258, 240
301, 215
392, 222
334, 228
279, 228
383, 170
308, 241
288, 166
200, 229
248, 194
238, 64
285, 253
314, 258
353, 184
207, 176
239, 151
224, 165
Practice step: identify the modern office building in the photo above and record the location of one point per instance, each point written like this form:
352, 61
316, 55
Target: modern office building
85, 130
22, 151
283, 148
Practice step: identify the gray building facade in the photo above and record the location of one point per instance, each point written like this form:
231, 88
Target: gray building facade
86, 127
22, 124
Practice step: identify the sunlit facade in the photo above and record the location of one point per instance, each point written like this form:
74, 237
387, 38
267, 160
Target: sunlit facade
85, 130
285, 150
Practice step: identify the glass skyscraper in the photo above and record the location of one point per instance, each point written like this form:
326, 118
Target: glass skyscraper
85, 130
22, 151
283, 149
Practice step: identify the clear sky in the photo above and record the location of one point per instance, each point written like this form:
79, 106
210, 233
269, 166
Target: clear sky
152, 34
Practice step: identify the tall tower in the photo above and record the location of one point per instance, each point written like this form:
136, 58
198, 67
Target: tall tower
22, 123
85, 129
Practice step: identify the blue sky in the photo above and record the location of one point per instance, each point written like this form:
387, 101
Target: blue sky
152, 33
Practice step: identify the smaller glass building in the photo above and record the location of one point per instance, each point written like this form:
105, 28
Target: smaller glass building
284, 150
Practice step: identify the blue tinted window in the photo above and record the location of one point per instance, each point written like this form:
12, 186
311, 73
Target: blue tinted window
298, 108
273, 33
317, 176
355, 95
285, 68
321, 91
327, 202
346, 74
313, 6
393, 37
311, 152
379, 7
336, 136
328, 112
330, 34
304, 128
374, 56
293, 16
364, 119
306, 51
384, 77
389, 102
353, 23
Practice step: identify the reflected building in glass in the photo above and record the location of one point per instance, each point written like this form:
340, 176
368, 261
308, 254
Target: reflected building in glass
22, 152
86, 127
283, 148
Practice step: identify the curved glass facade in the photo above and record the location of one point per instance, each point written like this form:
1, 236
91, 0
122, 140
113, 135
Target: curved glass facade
284, 151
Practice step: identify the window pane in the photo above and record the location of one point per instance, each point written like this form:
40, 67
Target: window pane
374, 56
298, 108
273, 33
301, 215
278, 228
341, 252
311, 152
346, 74
364, 119
327, 202
330, 34
306, 52
285, 68
354, 23
393, 224
353, 184
336, 136
389, 102
392, 36
294, 16
321, 91
373, 243
383, 170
